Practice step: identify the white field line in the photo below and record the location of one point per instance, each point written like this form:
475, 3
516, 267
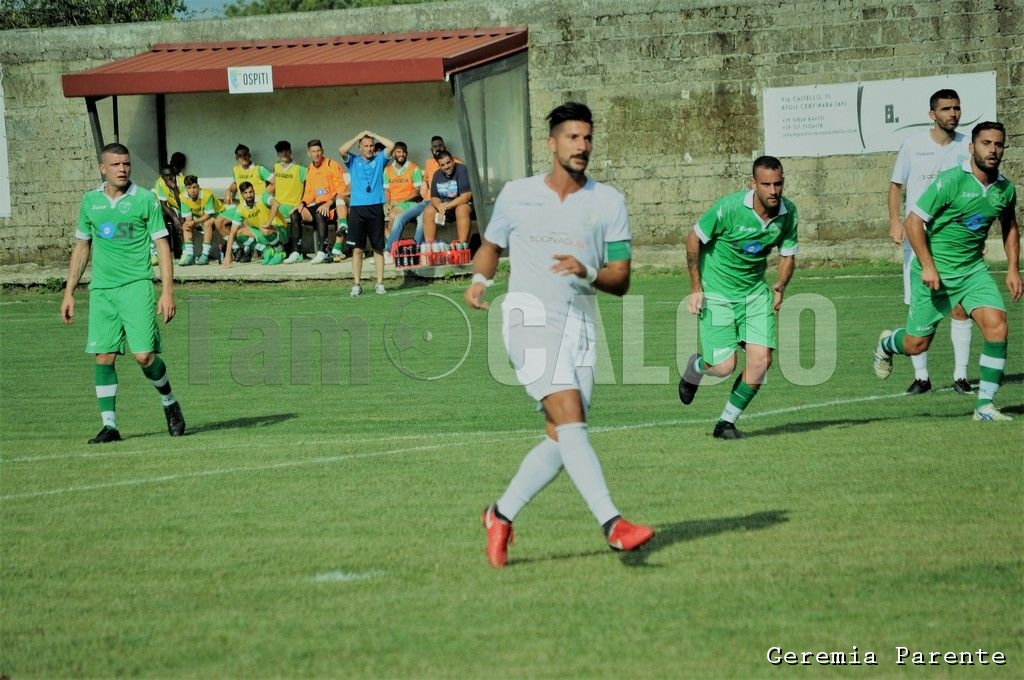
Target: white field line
218, 445
347, 576
508, 435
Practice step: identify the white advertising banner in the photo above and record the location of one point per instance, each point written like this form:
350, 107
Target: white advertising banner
250, 79
868, 117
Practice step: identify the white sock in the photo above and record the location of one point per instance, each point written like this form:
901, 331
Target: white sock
920, 362
581, 463
541, 465
960, 332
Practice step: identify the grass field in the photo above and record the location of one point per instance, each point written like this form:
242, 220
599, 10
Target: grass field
321, 518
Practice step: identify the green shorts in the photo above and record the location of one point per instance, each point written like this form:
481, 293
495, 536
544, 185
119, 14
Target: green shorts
928, 307
724, 325
280, 236
117, 314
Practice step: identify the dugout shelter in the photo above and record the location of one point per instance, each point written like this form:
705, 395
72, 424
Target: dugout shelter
470, 86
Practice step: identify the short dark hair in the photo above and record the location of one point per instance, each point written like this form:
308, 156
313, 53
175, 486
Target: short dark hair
178, 160
314, 142
167, 171
987, 125
766, 162
115, 148
240, 149
944, 93
401, 145
190, 180
569, 111
283, 145
244, 186
436, 138
444, 153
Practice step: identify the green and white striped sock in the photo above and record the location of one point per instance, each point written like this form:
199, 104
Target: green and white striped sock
106, 393
739, 399
993, 362
156, 373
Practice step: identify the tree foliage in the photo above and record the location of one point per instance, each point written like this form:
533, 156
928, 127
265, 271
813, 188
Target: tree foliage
47, 13
241, 8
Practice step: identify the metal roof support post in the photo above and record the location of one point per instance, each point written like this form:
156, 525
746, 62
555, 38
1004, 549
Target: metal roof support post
161, 130
94, 124
117, 121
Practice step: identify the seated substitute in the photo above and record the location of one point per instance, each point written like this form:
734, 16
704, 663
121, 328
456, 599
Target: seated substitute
289, 183
402, 182
168, 192
245, 170
450, 199
260, 221
415, 210
201, 211
321, 204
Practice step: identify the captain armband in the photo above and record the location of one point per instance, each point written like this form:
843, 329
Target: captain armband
615, 251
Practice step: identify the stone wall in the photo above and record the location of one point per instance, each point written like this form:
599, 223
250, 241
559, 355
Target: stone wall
676, 88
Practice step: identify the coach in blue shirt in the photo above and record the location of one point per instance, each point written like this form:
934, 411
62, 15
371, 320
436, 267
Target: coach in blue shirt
366, 204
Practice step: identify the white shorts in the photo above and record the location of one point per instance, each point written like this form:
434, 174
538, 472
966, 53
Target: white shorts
550, 354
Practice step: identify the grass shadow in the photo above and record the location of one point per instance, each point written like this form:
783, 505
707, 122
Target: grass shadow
812, 425
675, 533
692, 530
231, 424
241, 423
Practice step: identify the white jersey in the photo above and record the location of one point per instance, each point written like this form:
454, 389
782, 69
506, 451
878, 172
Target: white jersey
920, 159
531, 221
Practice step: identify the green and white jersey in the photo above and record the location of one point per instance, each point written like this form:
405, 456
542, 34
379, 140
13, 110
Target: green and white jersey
737, 243
958, 210
255, 216
120, 230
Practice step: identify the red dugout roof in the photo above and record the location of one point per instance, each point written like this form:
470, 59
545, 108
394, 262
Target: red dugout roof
322, 62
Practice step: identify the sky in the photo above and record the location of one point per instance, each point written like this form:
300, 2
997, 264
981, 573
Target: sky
207, 8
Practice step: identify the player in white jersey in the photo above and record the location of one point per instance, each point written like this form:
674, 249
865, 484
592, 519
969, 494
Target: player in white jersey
568, 236
919, 160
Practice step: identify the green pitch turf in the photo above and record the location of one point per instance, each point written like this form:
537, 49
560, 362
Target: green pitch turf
321, 517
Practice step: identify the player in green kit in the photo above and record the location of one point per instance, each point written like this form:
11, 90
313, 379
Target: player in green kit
727, 254
947, 229
116, 224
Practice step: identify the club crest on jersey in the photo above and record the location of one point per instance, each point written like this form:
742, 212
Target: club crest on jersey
124, 207
976, 221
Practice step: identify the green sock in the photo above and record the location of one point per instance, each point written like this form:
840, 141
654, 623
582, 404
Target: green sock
894, 343
337, 248
739, 399
343, 225
106, 393
156, 373
206, 248
993, 362
187, 250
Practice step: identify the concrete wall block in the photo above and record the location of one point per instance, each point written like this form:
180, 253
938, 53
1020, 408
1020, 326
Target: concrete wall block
676, 88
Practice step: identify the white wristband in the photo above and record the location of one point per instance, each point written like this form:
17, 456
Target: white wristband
591, 274
483, 280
